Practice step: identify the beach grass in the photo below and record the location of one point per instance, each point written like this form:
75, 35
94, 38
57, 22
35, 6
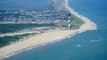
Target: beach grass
62, 24
11, 28
76, 22
7, 40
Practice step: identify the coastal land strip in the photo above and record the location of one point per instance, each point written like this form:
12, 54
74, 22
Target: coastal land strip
47, 37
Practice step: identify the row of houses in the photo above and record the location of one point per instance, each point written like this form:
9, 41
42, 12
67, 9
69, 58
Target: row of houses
25, 16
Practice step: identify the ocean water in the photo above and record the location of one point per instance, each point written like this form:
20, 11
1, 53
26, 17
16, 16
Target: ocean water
23, 4
90, 45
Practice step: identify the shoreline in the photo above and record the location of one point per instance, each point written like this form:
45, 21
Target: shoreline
80, 16
53, 36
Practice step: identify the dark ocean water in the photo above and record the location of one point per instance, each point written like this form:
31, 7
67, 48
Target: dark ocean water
23, 4
90, 45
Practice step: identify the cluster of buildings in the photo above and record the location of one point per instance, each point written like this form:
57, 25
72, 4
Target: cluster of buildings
33, 16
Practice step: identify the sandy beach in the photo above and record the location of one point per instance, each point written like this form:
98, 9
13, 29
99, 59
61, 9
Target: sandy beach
47, 37
36, 40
